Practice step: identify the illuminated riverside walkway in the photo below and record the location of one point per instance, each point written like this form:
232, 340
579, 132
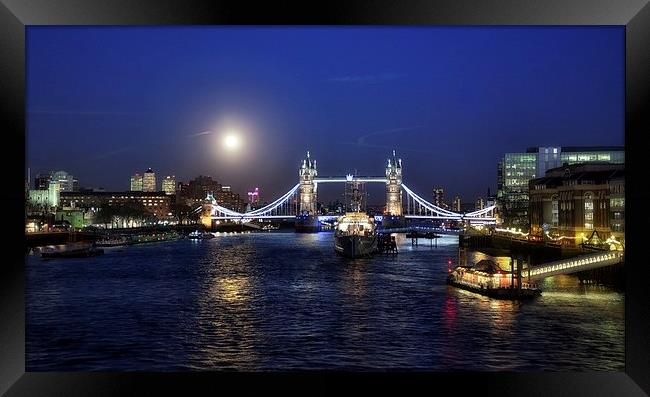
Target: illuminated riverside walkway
576, 264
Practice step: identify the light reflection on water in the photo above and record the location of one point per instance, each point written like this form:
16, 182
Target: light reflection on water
277, 301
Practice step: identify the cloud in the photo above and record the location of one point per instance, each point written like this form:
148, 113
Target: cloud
368, 78
390, 148
207, 132
362, 139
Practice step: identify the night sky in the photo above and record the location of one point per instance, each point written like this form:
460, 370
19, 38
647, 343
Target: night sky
106, 102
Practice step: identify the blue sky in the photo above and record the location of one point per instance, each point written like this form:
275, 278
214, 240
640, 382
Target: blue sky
105, 102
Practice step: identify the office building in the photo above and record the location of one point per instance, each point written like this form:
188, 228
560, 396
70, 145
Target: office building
195, 191
156, 203
616, 185
439, 197
149, 181
67, 183
254, 196
515, 170
169, 184
136, 183
480, 204
574, 201
227, 198
456, 204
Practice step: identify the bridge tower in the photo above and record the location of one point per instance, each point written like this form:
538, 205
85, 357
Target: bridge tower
307, 174
394, 186
206, 212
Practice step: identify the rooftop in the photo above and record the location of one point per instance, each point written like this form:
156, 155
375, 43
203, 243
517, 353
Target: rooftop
574, 149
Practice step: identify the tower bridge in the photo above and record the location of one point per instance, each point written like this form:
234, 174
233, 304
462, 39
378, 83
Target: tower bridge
300, 200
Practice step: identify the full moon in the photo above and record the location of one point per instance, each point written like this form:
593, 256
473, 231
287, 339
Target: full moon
231, 141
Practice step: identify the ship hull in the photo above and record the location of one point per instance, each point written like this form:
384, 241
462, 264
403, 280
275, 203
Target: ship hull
355, 246
497, 293
85, 253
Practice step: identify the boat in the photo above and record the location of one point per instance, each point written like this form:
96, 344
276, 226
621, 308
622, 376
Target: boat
196, 235
355, 235
153, 237
113, 241
70, 250
487, 278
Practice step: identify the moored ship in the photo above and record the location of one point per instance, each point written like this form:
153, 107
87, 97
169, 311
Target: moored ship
487, 278
355, 235
71, 250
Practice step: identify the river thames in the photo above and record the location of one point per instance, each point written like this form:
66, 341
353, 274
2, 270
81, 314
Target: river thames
285, 301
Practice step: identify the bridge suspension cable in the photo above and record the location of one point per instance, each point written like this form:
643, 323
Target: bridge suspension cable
429, 206
282, 208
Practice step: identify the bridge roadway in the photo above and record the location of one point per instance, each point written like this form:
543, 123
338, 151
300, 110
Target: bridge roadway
409, 229
285, 207
575, 264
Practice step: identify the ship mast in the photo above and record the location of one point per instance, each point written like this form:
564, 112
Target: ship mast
354, 194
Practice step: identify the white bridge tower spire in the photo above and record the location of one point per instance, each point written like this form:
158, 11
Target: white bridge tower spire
394, 186
308, 186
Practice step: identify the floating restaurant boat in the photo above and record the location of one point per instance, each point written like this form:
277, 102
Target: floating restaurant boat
355, 235
70, 250
487, 278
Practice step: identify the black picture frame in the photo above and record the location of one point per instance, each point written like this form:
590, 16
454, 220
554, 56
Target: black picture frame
15, 15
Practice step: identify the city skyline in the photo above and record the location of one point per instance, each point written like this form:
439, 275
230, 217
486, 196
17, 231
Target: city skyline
348, 95
284, 194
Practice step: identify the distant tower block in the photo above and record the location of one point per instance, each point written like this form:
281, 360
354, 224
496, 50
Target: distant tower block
394, 186
307, 186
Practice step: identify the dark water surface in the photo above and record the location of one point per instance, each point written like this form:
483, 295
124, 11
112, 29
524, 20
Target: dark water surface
283, 301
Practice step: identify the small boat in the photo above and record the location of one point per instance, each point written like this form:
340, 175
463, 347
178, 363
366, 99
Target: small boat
196, 235
70, 250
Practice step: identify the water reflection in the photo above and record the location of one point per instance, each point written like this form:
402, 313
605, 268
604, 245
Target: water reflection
275, 301
232, 289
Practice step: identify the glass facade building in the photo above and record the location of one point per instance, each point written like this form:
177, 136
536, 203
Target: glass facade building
515, 170
149, 181
169, 184
65, 180
575, 155
136, 183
